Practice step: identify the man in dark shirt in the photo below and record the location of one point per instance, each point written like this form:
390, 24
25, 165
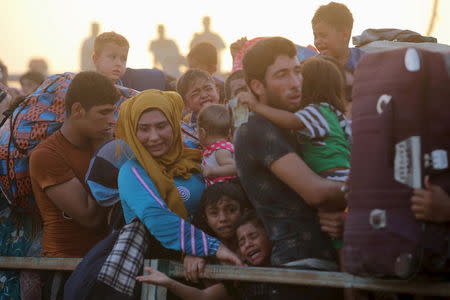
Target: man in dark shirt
285, 192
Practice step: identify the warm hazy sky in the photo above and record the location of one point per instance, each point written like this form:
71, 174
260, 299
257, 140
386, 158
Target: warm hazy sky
54, 29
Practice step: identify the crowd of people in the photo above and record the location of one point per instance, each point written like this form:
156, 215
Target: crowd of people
170, 175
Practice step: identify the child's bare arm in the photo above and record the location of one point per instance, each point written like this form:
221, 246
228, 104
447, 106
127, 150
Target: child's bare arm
216, 291
227, 166
281, 118
155, 277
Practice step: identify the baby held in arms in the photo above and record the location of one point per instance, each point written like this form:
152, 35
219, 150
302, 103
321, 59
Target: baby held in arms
214, 131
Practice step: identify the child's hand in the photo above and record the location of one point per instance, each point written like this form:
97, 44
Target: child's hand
431, 204
332, 223
237, 45
155, 277
248, 99
193, 266
228, 257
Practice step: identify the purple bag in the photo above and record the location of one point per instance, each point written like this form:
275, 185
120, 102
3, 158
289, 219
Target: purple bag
401, 132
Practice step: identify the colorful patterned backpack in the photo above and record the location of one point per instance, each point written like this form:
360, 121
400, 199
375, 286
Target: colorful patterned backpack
37, 117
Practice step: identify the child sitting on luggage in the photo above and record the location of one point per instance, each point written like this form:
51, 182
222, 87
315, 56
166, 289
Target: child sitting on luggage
332, 28
322, 128
110, 55
214, 131
254, 246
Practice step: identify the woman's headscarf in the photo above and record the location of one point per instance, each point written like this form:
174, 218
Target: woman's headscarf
178, 161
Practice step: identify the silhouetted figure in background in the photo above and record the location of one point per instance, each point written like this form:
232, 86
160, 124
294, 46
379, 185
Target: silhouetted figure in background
3, 73
30, 81
38, 65
7, 93
87, 49
208, 36
166, 55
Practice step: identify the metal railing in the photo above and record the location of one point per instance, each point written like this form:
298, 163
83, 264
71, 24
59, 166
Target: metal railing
418, 286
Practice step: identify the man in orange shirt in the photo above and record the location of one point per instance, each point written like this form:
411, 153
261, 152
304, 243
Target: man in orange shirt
73, 222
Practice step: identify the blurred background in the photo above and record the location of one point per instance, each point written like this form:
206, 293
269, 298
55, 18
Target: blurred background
54, 31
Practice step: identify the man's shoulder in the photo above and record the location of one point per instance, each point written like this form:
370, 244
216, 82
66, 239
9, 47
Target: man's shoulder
216, 39
195, 39
88, 42
52, 144
258, 123
171, 43
50, 158
258, 129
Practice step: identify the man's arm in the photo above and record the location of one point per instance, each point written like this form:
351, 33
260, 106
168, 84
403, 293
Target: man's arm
315, 190
56, 179
72, 198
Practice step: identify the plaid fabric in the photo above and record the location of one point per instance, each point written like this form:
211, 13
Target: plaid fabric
37, 117
126, 258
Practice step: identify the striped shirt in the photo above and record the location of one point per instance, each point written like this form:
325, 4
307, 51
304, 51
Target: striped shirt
325, 138
316, 124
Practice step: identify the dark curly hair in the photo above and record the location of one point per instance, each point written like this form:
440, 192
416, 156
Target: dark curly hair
335, 14
90, 89
249, 216
188, 78
263, 54
213, 194
203, 53
322, 82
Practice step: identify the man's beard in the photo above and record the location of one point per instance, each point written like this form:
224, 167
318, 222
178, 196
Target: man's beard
274, 100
